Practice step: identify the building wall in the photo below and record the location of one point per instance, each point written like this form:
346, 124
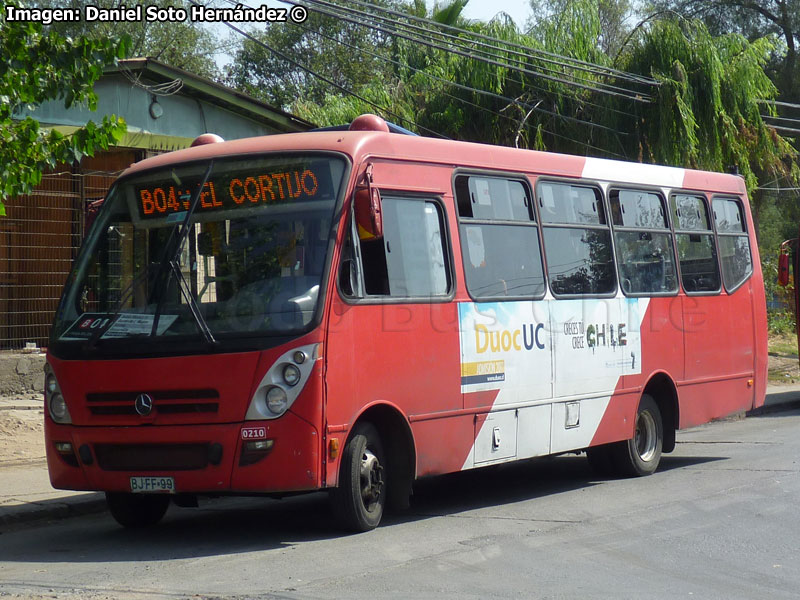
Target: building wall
42, 232
183, 118
40, 237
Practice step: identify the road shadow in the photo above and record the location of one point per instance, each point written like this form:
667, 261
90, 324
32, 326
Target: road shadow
239, 525
669, 463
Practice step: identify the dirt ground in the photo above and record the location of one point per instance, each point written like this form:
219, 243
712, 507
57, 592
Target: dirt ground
21, 432
22, 412
21, 408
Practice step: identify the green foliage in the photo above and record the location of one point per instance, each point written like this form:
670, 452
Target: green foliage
185, 45
324, 44
41, 65
612, 16
708, 109
753, 20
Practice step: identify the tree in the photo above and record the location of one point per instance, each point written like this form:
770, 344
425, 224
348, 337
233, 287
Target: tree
613, 17
753, 20
182, 44
40, 65
324, 44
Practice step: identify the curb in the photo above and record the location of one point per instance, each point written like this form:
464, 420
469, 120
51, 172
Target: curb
774, 408
34, 512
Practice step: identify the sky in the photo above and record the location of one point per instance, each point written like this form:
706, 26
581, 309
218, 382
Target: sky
484, 10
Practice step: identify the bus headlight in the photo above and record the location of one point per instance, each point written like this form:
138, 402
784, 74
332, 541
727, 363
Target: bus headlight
56, 405
58, 408
283, 382
291, 375
52, 384
276, 400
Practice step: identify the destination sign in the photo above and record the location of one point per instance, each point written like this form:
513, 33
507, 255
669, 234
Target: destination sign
231, 189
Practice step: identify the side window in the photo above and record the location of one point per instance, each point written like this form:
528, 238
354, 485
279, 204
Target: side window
577, 240
697, 253
734, 245
644, 243
409, 262
499, 238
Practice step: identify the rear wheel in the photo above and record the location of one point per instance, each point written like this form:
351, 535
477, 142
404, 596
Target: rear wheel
641, 454
136, 511
359, 499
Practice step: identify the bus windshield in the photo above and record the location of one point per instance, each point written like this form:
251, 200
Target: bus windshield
214, 250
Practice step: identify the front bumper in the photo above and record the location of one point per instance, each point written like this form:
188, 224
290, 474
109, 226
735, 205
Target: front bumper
202, 459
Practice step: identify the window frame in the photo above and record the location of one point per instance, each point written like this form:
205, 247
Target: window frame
667, 230
745, 233
532, 223
350, 228
592, 184
711, 232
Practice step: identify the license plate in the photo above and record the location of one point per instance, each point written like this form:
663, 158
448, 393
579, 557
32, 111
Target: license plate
152, 484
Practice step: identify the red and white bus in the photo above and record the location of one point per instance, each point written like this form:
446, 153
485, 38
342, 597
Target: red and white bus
353, 310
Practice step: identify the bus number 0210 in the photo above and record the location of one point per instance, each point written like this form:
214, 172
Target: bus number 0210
254, 433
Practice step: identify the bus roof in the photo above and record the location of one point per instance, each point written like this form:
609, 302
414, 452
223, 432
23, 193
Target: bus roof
379, 144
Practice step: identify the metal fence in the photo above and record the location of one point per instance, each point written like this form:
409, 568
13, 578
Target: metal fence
39, 238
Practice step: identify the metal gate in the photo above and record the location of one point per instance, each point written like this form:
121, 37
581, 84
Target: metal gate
39, 238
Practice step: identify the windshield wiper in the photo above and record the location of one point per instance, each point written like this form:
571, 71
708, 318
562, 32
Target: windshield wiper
169, 265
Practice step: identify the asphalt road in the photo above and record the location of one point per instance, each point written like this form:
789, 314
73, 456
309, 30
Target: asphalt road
719, 520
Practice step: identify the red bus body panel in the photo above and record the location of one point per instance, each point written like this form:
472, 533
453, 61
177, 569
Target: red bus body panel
407, 356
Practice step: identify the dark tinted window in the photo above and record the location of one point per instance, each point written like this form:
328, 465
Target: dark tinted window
689, 213
631, 208
728, 216
499, 239
501, 260
563, 203
697, 253
734, 245
644, 244
577, 240
492, 198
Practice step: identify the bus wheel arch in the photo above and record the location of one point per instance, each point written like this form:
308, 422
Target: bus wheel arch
663, 391
640, 455
394, 448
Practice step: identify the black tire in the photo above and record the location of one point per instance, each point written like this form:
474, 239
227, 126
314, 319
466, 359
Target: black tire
640, 455
136, 511
359, 500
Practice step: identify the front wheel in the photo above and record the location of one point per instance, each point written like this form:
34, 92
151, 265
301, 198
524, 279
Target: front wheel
136, 511
641, 454
359, 499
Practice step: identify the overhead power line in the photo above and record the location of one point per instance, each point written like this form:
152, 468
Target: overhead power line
510, 101
477, 49
393, 29
310, 71
323, 78
558, 58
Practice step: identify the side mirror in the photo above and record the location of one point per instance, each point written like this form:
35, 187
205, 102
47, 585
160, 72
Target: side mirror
783, 270
369, 220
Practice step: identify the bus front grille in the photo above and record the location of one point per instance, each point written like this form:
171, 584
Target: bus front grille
152, 457
165, 402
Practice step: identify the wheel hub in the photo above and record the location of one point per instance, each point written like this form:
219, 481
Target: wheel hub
645, 436
371, 478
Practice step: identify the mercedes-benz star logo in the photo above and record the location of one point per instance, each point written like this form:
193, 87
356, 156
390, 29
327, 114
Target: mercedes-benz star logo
144, 404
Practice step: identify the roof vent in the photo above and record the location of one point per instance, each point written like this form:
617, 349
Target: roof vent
206, 138
369, 122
